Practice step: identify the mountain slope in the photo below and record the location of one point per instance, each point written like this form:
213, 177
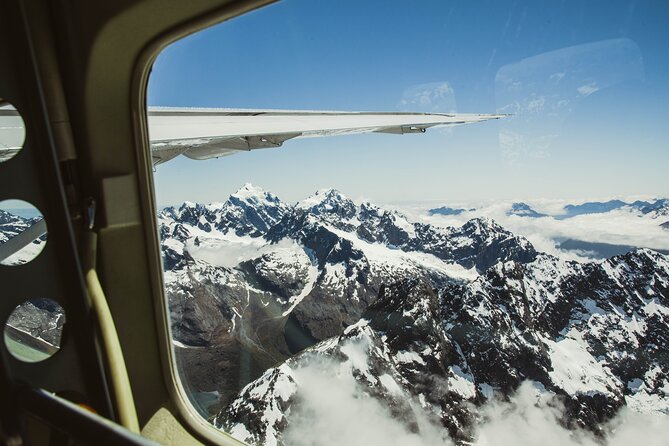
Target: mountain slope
286, 277
589, 333
12, 225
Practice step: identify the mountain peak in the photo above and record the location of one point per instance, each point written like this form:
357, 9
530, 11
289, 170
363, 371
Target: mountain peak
188, 204
329, 201
249, 190
445, 210
321, 195
523, 210
482, 221
254, 196
8, 217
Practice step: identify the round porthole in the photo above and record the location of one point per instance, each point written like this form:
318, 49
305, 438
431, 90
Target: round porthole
34, 329
12, 131
22, 232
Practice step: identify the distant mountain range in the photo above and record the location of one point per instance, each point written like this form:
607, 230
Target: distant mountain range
429, 322
445, 210
524, 210
422, 318
654, 209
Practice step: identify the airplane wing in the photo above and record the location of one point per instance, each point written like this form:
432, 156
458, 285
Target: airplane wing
203, 133
211, 133
12, 132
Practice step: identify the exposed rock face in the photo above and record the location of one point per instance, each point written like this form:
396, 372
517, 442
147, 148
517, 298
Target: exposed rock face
394, 353
40, 318
590, 333
256, 277
430, 322
249, 211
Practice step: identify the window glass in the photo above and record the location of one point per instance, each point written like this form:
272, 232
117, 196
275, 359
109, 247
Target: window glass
419, 274
23, 232
12, 131
34, 330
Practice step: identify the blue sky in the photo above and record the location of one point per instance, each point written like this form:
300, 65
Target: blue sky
585, 80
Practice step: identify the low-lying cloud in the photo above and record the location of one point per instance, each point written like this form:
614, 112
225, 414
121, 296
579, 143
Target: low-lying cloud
618, 227
333, 409
531, 417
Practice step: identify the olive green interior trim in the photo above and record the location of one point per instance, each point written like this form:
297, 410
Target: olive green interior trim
118, 375
165, 429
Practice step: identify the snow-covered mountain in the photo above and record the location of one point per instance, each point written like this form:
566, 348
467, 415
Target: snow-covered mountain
303, 273
524, 210
428, 322
592, 334
40, 318
446, 210
11, 225
652, 209
591, 230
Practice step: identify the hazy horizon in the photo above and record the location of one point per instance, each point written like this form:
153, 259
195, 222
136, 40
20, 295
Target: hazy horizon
540, 202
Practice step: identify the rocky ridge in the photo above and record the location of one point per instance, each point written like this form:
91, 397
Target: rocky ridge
257, 278
591, 334
430, 322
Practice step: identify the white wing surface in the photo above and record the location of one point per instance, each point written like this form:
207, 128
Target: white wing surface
12, 131
212, 133
203, 133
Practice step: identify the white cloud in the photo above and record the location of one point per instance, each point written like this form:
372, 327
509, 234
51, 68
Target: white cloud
430, 97
618, 227
516, 146
587, 90
333, 409
536, 104
557, 77
531, 417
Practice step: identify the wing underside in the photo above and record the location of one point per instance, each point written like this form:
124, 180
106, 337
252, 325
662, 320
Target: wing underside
212, 133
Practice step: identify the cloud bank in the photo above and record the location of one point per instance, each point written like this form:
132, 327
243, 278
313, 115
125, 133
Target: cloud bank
333, 409
618, 227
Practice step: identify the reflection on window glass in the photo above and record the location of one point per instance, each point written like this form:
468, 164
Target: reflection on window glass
404, 278
34, 329
12, 131
23, 232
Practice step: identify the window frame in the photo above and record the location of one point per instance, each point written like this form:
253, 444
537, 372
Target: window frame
194, 422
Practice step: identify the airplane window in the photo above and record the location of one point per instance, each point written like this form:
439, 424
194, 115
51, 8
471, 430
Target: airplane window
12, 131
438, 224
23, 232
34, 329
